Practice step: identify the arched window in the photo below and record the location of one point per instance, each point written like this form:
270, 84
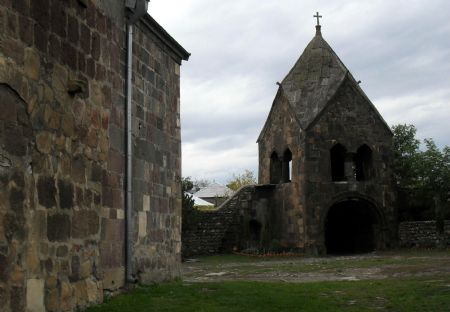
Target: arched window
287, 166
337, 158
363, 163
275, 168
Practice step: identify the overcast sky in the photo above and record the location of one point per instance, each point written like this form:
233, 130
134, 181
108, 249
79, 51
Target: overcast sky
400, 50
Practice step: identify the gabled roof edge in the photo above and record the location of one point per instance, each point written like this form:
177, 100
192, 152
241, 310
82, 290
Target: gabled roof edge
263, 130
279, 94
319, 114
360, 90
164, 36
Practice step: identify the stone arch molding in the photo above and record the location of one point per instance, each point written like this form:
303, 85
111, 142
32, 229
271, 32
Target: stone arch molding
376, 208
280, 167
352, 196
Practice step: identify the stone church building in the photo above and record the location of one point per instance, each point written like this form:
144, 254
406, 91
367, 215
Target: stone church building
327, 149
325, 183
90, 151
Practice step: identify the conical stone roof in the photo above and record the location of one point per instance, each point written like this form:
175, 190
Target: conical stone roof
313, 80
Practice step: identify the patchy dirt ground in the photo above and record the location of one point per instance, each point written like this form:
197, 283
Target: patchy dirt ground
376, 265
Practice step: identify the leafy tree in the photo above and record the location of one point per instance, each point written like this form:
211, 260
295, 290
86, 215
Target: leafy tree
423, 176
240, 180
406, 155
187, 202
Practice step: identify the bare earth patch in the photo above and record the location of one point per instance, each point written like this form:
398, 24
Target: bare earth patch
373, 266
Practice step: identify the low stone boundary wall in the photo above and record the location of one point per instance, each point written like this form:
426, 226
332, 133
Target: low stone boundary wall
423, 234
228, 228
203, 232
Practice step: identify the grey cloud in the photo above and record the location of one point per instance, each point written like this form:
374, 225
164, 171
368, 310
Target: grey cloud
399, 49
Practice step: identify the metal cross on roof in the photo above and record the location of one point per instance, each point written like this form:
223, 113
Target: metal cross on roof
317, 16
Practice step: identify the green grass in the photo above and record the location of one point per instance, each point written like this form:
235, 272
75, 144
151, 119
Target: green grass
407, 295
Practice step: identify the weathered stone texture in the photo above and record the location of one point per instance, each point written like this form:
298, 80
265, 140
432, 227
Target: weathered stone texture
62, 162
423, 234
319, 109
229, 228
157, 161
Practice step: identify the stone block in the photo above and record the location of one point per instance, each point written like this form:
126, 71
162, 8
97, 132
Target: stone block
13, 49
66, 297
80, 292
60, 78
41, 37
35, 295
66, 194
52, 118
79, 171
146, 202
33, 261
58, 227
85, 38
15, 142
68, 125
17, 299
26, 30
116, 162
95, 46
52, 300
3, 297
16, 198
142, 228
62, 251
73, 30
85, 223
113, 279
96, 173
94, 291
46, 191
85, 269
32, 63
69, 55
17, 276
4, 268
75, 268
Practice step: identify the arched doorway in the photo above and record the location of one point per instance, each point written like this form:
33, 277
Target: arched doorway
351, 226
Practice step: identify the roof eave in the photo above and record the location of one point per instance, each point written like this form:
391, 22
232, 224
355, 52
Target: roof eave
153, 26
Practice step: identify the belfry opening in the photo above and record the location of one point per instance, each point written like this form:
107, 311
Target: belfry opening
351, 226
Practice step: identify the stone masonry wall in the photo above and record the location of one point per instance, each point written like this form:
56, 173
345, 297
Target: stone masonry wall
62, 157
351, 121
157, 159
282, 132
423, 234
204, 231
228, 228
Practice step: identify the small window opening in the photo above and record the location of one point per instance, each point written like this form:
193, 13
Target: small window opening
275, 169
287, 166
337, 157
363, 163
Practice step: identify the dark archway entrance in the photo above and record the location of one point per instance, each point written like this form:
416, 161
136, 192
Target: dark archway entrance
351, 227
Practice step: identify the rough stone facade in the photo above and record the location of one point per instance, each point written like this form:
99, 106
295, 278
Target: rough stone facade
423, 234
325, 151
328, 149
62, 153
230, 228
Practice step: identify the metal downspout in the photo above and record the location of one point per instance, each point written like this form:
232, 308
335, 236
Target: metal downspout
138, 9
129, 170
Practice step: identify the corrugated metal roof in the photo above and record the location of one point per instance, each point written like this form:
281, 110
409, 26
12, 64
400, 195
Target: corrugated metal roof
214, 190
198, 201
